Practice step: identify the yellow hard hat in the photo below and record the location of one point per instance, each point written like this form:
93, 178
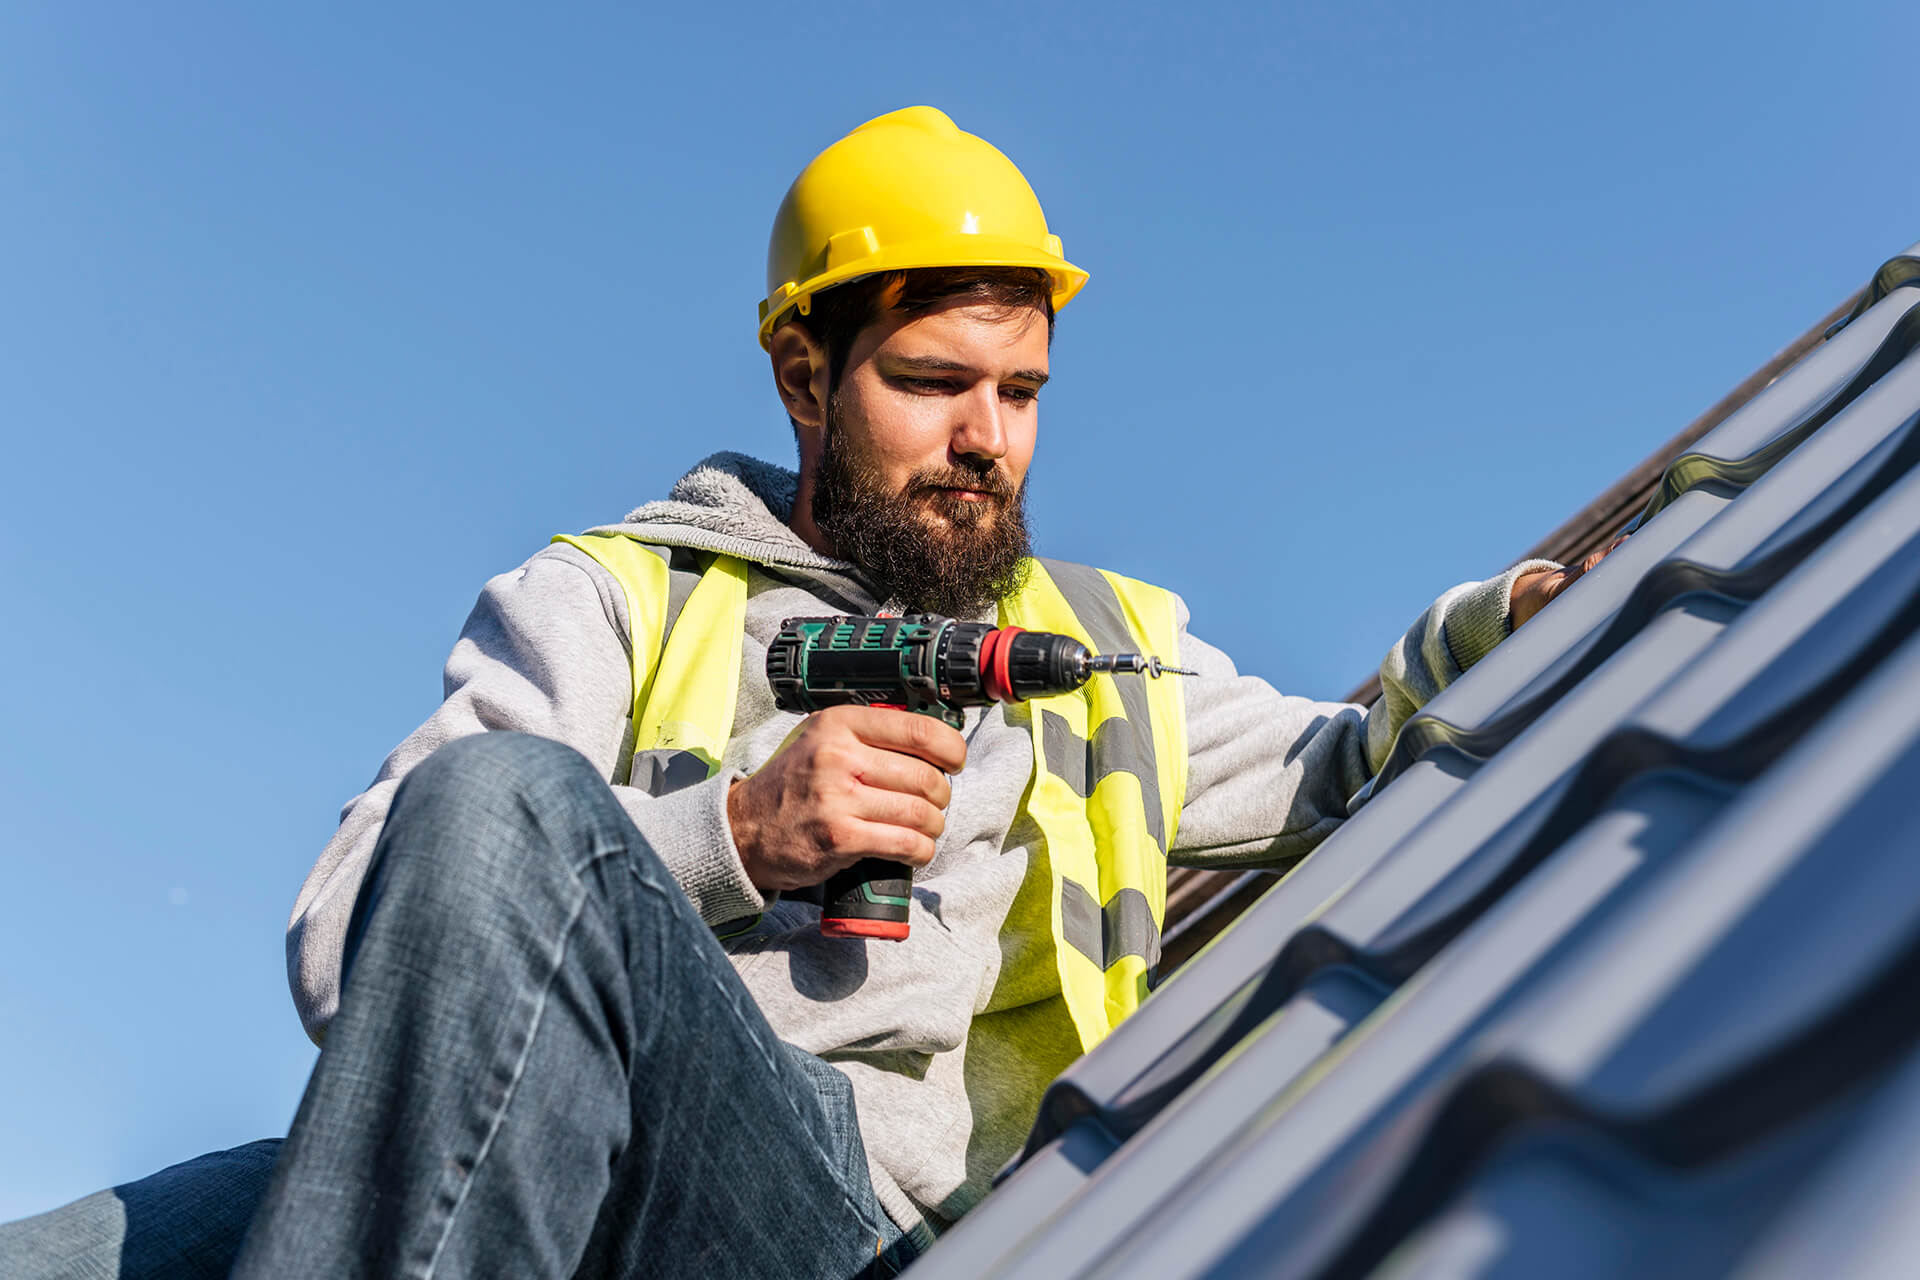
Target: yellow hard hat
908, 189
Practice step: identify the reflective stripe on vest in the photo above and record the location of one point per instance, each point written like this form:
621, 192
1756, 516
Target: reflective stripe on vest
679, 735
1109, 780
1109, 767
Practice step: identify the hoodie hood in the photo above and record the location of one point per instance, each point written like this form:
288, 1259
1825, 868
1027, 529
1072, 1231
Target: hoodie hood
735, 505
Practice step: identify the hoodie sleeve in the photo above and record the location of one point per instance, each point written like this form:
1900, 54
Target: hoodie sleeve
1269, 775
543, 652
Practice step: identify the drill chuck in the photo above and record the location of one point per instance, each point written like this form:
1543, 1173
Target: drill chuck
1033, 664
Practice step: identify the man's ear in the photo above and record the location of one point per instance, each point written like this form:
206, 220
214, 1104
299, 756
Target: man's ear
800, 375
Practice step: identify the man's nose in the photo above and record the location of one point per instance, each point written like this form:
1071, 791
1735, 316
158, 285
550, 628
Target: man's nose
981, 431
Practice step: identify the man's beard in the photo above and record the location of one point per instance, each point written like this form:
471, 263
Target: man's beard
975, 557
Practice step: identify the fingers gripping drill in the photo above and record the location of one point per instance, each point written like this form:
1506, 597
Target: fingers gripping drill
932, 666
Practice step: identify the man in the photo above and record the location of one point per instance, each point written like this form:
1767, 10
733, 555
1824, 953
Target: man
575, 1018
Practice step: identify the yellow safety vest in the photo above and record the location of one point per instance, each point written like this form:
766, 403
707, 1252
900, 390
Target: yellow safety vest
1109, 761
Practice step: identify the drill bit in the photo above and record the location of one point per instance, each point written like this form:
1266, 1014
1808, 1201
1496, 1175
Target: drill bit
1136, 664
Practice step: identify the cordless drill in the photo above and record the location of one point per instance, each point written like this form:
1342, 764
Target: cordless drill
931, 666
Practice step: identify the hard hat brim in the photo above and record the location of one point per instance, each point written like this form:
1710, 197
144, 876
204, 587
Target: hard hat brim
957, 250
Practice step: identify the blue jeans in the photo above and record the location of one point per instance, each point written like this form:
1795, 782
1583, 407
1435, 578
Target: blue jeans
543, 1065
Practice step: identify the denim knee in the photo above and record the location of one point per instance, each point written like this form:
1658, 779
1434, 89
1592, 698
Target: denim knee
485, 819
491, 764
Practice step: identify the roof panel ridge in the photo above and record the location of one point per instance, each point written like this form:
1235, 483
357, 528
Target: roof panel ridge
1295, 1177
1901, 269
1740, 552
1804, 398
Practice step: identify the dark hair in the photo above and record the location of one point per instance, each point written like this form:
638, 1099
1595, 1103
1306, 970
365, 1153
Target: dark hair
840, 314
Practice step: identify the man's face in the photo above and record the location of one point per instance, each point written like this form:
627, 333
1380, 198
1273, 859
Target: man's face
928, 438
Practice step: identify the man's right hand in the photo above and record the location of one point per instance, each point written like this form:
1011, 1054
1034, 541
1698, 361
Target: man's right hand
848, 783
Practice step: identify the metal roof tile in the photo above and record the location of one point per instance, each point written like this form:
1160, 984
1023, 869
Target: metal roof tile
1617, 969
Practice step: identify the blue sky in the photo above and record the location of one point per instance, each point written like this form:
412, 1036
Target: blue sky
318, 317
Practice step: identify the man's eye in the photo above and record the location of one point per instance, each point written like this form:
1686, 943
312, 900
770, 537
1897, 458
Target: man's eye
1020, 395
928, 384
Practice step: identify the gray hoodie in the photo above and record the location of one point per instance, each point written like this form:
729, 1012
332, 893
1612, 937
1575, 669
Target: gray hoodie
950, 1037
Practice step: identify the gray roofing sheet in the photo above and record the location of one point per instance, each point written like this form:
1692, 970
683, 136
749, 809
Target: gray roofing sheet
1611, 970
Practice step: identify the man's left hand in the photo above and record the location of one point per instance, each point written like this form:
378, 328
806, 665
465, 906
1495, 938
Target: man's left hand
1532, 592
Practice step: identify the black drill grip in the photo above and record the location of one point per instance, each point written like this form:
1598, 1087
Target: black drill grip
870, 899
922, 663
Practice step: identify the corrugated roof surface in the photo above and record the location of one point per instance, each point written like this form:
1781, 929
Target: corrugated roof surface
1615, 970
1202, 903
